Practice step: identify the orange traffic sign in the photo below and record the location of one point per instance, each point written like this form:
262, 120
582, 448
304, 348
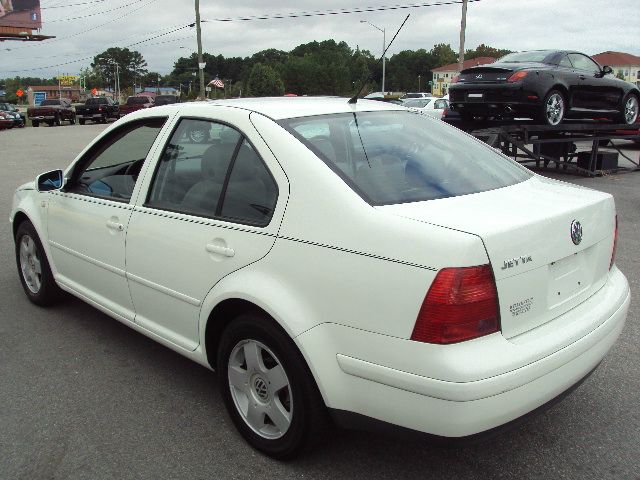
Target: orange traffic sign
19, 93
94, 91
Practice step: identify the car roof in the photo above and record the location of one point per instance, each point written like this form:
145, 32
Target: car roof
279, 108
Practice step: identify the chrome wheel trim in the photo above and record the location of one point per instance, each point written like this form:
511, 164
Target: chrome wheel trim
554, 109
30, 265
196, 136
631, 110
260, 389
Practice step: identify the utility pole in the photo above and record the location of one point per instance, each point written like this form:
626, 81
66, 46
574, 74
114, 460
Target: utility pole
463, 28
201, 63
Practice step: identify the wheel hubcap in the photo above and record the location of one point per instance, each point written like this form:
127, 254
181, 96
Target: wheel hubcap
631, 110
555, 109
260, 389
197, 136
30, 264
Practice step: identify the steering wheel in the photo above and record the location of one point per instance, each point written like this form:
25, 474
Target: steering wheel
134, 169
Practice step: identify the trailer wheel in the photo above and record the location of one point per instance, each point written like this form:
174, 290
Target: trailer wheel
35, 123
81, 121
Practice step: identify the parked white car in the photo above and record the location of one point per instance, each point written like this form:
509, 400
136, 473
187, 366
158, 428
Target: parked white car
434, 107
414, 95
326, 258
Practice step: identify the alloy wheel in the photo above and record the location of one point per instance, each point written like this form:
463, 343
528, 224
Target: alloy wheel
631, 110
196, 136
554, 109
30, 265
260, 389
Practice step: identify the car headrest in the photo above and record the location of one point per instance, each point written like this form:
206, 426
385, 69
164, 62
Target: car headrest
215, 161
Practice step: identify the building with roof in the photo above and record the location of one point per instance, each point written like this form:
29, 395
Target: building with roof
37, 93
442, 75
624, 65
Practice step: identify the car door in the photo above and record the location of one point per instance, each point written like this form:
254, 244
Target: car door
596, 92
87, 220
209, 209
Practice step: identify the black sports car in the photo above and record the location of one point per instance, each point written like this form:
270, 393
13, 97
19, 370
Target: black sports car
547, 85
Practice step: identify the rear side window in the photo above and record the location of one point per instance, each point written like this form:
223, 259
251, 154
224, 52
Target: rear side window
399, 156
211, 170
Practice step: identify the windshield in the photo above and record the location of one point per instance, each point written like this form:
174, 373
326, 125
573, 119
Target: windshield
137, 100
400, 156
522, 57
166, 99
417, 103
50, 102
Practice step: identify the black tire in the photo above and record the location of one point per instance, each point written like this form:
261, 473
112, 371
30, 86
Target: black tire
622, 116
81, 121
48, 292
35, 123
49, 122
549, 114
57, 121
309, 418
72, 120
103, 119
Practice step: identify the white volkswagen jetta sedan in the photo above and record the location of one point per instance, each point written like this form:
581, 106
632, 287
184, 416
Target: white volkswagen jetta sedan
360, 262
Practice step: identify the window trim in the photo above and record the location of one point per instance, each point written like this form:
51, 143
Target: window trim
99, 147
217, 215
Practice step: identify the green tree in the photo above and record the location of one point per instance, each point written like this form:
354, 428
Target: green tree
264, 81
483, 50
132, 66
443, 54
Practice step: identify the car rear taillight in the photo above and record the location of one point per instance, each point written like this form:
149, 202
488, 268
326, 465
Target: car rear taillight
615, 244
455, 79
461, 304
516, 77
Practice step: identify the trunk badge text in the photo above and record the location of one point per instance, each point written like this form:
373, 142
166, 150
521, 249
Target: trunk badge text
479, 76
514, 262
576, 232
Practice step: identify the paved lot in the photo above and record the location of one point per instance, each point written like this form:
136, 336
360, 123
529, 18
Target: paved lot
82, 396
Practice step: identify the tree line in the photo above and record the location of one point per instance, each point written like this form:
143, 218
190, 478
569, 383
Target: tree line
315, 68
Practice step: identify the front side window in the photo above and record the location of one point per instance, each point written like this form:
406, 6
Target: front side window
565, 62
111, 169
582, 62
399, 156
221, 177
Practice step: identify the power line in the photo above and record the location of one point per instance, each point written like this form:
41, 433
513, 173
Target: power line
339, 11
72, 4
81, 32
68, 19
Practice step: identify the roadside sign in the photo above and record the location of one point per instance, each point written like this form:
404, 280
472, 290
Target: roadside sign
94, 91
202, 65
67, 80
39, 97
20, 93
208, 89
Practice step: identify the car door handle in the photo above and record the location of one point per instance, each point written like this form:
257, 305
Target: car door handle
112, 225
220, 250
582, 77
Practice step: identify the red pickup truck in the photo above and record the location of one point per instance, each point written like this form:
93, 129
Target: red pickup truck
52, 112
136, 103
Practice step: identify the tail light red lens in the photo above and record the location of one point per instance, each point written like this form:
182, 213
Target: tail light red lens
516, 77
461, 304
615, 244
455, 79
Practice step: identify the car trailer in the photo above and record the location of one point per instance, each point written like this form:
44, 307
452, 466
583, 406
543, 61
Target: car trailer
542, 145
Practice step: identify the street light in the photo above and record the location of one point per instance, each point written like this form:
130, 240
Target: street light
384, 46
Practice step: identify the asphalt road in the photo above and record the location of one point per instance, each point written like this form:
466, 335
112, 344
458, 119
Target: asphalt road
83, 396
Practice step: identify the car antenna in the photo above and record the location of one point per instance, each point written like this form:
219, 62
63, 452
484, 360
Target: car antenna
354, 99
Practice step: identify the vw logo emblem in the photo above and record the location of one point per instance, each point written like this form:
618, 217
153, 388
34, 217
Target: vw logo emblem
479, 76
261, 388
576, 232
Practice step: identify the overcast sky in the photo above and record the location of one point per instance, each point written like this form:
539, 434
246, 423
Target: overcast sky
591, 26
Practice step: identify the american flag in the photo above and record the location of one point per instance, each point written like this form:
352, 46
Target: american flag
216, 82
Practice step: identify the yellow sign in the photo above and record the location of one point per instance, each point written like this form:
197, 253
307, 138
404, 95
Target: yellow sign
67, 80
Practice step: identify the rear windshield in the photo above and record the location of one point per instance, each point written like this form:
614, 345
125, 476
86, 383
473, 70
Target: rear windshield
97, 101
522, 57
50, 102
400, 156
413, 95
417, 103
137, 100
166, 99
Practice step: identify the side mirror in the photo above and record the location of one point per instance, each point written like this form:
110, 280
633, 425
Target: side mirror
606, 70
53, 180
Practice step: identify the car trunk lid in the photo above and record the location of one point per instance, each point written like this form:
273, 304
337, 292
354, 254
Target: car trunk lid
540, 271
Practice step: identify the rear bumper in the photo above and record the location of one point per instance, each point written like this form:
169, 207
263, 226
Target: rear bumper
42, 117
396, 381
496, 99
